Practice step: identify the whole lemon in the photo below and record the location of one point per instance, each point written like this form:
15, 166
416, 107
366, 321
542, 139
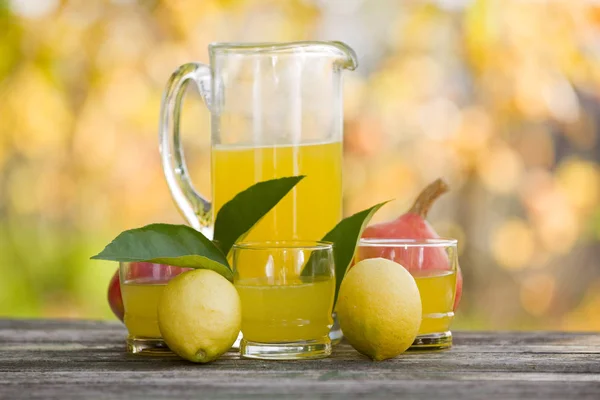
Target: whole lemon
379, 308
199, 315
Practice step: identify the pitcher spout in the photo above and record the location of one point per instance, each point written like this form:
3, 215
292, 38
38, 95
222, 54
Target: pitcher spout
347, 56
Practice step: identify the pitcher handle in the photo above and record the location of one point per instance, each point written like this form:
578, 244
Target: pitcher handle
194, 207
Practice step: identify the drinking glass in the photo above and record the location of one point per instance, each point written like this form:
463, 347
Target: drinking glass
287, 290
433, 263
142, 284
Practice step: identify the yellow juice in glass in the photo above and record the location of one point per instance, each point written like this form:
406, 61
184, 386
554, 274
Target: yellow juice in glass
309, 211
437, 289
140, 300
297, 311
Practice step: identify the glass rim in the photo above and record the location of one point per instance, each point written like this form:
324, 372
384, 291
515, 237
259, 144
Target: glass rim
391, 242
284, 245
334, 48
267, 46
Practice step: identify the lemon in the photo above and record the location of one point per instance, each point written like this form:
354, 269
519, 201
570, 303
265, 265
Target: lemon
379, 308
199, 315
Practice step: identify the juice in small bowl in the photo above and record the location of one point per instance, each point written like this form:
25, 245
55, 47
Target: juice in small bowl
286, 290
142, 284
433, 263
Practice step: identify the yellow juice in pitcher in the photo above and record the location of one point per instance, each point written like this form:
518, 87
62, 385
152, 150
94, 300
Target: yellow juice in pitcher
140, 300
309, 211
437, 289
296, 311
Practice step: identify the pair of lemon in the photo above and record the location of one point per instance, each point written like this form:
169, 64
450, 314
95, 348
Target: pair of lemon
378, 306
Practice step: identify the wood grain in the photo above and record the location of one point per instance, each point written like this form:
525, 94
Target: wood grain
87, 359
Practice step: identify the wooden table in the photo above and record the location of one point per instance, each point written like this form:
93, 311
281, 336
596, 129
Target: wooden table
86, 359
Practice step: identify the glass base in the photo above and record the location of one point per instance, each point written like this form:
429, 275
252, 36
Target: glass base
148, 346
335, 334
432, 341
302, 350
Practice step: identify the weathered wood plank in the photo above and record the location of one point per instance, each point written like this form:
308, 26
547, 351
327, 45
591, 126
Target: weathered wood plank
298, 388
84, 359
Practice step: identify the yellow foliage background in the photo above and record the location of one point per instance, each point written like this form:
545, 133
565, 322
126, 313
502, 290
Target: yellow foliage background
499, 97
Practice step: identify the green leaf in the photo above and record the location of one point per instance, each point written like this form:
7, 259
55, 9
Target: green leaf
345, 237
177, 245
241, 213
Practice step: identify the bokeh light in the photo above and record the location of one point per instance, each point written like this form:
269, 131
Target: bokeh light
499, 101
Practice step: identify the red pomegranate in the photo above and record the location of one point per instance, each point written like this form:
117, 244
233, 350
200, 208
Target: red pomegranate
414, 225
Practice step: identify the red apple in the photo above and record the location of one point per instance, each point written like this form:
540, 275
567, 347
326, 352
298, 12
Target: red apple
115, 300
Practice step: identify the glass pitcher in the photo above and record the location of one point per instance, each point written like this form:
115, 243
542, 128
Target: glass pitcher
276, 110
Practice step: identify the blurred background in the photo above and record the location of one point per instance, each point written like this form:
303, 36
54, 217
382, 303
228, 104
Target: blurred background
499, 97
